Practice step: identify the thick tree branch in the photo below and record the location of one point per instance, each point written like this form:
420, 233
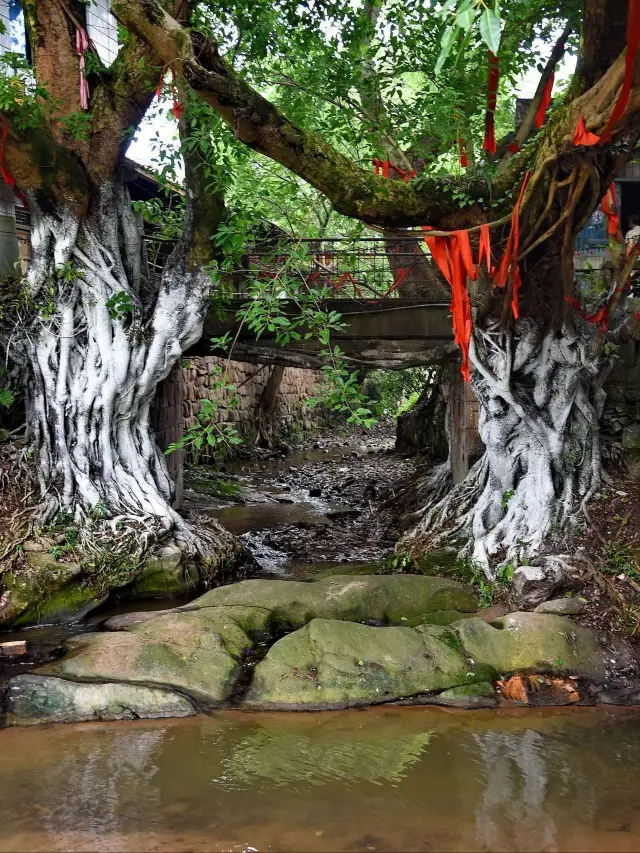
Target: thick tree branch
526, 126
353, 191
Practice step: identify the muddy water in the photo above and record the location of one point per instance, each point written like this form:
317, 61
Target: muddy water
393, 779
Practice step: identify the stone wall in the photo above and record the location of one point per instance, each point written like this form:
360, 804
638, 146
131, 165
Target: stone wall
290, 415
621, 417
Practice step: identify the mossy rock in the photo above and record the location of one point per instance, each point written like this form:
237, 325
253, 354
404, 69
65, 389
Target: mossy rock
47, 592
197, 653
70, 604
384, 599
33, 699
439, 561
533, 642
165, 574
355, 569
330, 664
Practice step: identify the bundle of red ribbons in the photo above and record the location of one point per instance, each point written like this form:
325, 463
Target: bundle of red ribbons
453, 256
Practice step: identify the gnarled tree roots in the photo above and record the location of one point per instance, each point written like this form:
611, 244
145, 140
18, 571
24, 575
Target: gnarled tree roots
540, 400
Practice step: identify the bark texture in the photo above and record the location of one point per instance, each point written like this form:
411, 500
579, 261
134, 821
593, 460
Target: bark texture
99, 340
540, 400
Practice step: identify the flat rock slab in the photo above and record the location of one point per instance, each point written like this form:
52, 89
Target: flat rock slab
197, 653
33, 699
330, 664
384, 599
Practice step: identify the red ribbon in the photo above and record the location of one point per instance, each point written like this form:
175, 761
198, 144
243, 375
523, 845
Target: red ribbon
386, 167
582, 136
601, 316
7, 177
513, 147
454, 259
489, 143
464, 160
609, 207
633, 43
178, 107
509, 263
82, 45
546, 100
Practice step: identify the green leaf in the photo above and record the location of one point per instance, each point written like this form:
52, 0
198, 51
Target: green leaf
465, 18
448, 40
490, 29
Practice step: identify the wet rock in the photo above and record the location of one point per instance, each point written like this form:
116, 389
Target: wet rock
387, 599
47, 592
33, 699
13, 649
128, 620
561, 607
330, 664
537, 642
165, 574
620, 696
198, 653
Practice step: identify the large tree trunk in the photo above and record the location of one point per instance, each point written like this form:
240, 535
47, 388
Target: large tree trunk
98, 342
540, 396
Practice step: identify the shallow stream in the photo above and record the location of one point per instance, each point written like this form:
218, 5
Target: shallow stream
389, 779
383, 779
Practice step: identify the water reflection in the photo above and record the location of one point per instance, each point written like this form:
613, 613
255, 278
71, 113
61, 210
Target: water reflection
390, 779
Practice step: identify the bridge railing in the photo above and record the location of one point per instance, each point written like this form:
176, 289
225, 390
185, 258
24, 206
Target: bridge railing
368, 268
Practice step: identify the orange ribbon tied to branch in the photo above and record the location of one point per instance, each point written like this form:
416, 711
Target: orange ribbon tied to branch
509, 263
600, 318
489, 143
584, 137
386, 167
178, 107
609, 206
454, 258
543, 106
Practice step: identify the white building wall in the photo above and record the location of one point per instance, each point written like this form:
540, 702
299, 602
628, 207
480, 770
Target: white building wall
5, 37
102, 29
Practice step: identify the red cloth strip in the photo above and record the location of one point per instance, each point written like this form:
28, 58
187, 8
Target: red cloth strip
609, 207
601, 316
633, 43
546, 100
582, 136
513, 147
509, 263
464, 160
484, 249
82, 45
489, 143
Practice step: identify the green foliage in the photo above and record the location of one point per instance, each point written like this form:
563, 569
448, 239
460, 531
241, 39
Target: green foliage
620, 559
120, 306
77, 124
7, 398
397, 391
219, 439
506, 497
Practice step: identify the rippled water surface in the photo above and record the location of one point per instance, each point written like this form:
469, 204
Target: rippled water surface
390, 779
